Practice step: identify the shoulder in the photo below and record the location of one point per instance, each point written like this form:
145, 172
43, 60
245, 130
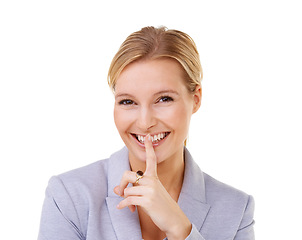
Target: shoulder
217, 191
88, 174
81, 183
88, 182
213, 191
230, 210
227, 199
229, 204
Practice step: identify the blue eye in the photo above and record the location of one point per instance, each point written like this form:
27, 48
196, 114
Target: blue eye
166, 99
126, 102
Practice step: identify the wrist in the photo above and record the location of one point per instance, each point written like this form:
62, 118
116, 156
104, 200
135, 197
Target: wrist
180, 232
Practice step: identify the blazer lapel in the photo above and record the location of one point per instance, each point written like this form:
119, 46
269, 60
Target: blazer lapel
192, 199
125, 223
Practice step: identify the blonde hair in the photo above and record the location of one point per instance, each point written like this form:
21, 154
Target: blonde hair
154, 43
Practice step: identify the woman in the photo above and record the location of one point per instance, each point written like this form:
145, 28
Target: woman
152, 188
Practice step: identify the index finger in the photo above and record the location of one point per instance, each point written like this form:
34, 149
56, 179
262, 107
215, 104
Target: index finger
151, 161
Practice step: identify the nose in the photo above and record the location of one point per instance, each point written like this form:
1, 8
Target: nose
146, 118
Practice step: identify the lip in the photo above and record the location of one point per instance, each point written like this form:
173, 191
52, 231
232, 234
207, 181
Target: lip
153, 144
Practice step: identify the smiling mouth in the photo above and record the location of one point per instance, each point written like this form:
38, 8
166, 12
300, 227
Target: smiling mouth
156, 138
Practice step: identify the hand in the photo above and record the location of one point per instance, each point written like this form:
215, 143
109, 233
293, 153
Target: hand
153, 198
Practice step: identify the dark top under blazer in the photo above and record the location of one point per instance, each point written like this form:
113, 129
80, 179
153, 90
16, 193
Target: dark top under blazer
81, 204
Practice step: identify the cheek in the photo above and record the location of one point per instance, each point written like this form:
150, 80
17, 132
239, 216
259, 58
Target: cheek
177, 117
118, 119
122, 119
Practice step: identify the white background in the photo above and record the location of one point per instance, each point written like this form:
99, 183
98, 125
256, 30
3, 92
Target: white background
56, 108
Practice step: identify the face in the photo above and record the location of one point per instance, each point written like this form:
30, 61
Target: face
151, 98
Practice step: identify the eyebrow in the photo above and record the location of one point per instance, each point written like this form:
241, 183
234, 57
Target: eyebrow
166, 91
123, 95
157, 93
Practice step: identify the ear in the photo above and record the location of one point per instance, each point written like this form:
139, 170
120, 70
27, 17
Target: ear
197, 98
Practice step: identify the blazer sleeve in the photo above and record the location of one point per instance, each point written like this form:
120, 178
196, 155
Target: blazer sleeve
59, 220
246, 228
194, 235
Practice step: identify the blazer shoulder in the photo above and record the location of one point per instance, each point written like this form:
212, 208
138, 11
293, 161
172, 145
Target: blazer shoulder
88, 182
89, 173
229, 205
81, 184
219, 191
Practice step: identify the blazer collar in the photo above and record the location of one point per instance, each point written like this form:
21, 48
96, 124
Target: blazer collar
192, 199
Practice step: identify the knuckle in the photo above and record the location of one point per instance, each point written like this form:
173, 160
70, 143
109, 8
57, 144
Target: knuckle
153, 180
126, 174
152, 191
129, 200
149, 202
126, 192
151, 195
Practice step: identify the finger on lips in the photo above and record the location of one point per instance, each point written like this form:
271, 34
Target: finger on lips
151, 163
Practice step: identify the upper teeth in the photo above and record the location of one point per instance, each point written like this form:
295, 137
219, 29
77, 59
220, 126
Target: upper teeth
154, 138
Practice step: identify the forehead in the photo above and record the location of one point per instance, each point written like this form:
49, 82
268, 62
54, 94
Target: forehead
151, 75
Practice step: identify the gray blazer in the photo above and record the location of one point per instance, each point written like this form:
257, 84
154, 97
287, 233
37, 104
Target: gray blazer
81, 204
